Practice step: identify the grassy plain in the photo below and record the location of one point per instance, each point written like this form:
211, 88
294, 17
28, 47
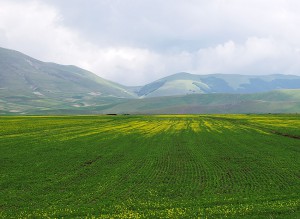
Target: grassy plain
277, 101
164, 166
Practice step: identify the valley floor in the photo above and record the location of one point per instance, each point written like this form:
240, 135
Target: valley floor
163, 166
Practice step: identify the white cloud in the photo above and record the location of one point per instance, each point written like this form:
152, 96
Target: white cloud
254, 56
136, 42
36, 29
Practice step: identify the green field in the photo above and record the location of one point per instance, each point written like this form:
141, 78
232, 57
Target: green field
168, 166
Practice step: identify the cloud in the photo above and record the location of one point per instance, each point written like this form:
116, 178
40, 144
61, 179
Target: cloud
134, 42
36, 29
254, 56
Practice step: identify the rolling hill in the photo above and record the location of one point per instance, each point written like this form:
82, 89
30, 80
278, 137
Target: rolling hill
30, 86
186, 83
279, 101
26, 76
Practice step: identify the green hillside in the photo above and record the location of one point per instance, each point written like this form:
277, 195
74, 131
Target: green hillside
29, 86
185, 83
281, 101
25, 77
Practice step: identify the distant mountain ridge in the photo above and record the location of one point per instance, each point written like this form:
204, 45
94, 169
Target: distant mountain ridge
30, 76
30, 86
186, 83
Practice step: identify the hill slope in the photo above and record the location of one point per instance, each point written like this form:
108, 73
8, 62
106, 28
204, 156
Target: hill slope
280, 101
185, 83
21, 75
29, 86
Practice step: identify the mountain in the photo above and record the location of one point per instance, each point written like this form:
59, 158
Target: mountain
30, 86
23, 76
186, 83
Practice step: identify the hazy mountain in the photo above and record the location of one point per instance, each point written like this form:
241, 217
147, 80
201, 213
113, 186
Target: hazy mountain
23, 76
185, 83
29, 86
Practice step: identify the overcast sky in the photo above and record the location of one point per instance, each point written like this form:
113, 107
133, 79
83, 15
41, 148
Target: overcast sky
137, 41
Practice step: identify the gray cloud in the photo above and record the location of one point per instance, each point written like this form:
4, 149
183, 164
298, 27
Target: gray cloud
134, 42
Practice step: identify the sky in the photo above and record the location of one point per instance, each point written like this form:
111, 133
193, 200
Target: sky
134, 42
